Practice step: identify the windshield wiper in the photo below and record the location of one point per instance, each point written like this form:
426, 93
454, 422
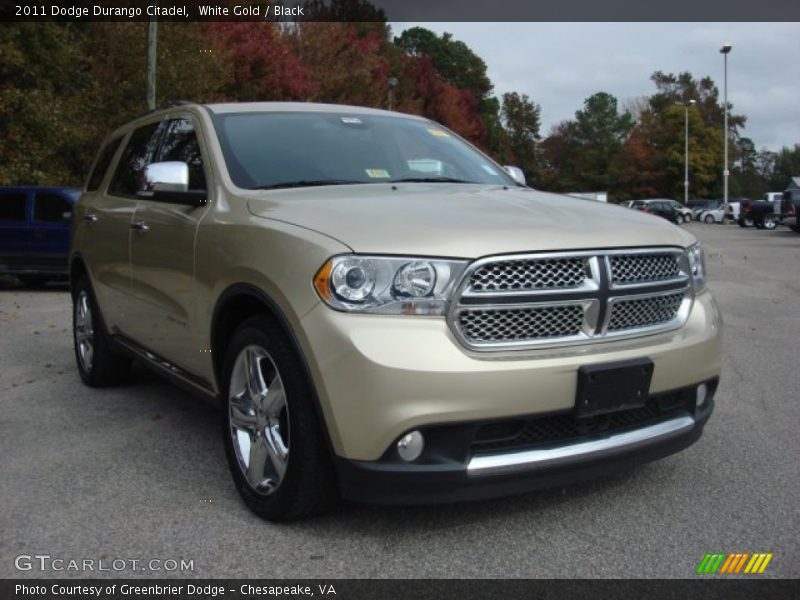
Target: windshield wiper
306, 183
430, 180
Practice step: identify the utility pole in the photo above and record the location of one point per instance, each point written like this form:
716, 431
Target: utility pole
152, 41
686, 150
724, 51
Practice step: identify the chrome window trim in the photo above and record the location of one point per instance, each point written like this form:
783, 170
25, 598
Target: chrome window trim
597, 295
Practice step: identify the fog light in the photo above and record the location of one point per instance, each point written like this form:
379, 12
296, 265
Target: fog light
410, 446
702, 392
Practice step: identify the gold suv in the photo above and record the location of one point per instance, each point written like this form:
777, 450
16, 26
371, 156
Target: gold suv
382, 311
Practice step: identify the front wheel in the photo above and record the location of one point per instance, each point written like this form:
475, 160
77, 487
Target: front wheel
273, 439
98, 365
770, 223
687, 218
709, 219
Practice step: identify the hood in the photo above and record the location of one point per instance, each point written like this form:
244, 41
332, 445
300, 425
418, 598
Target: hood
462, 221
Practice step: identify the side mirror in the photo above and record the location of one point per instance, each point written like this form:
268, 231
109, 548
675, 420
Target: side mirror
169, 182
170, 176
516, 174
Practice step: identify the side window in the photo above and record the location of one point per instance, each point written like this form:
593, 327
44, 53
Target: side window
12, 206
180, 143
139, 153
101, 166
51, 208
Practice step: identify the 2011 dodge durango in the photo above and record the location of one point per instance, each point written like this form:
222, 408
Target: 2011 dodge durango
383, 312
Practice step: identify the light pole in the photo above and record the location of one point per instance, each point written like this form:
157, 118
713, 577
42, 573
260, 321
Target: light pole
725, 50
686, 106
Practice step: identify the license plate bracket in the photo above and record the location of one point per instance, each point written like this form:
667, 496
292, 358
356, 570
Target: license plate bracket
611, 387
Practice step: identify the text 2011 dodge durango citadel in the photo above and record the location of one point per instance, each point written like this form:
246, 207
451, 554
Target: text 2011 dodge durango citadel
382, 311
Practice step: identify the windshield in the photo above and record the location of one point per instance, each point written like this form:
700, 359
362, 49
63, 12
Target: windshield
297, 149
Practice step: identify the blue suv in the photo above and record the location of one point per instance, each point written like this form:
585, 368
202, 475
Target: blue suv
34, 231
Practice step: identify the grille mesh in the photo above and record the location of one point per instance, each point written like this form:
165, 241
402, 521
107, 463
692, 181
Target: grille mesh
509, 325
567, 428
641, 268
643, 312
534, 274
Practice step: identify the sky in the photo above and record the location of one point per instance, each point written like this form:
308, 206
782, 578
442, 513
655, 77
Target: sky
559, 65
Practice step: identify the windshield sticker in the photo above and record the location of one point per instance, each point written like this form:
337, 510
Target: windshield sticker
351, 120
489, 169
438, 133
377, 173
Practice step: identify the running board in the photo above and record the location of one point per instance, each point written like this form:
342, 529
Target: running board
163, 367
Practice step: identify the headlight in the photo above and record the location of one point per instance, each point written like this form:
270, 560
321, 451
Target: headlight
697, 266
388, 285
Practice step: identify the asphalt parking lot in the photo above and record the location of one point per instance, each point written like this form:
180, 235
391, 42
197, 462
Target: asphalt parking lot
138, 472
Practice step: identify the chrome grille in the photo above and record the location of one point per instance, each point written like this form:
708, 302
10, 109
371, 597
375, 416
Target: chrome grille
551, 299
643, 312
503, 325
537, 274
639, 268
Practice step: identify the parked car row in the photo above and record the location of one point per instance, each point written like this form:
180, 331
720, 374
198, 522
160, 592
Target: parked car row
773, 210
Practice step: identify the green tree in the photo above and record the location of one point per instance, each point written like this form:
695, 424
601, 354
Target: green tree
522, 120
786, 166
42, 73
662, 126
587, 153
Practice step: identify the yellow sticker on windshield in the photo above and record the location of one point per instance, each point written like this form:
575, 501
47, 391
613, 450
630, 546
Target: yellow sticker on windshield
377, 173
438, 132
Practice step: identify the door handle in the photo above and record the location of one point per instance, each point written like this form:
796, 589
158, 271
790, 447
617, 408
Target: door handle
140, 226
90, 218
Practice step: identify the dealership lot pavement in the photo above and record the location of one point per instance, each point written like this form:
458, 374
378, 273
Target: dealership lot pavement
138, 472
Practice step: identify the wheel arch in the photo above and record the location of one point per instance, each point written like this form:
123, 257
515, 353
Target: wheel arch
77, 269
238, 303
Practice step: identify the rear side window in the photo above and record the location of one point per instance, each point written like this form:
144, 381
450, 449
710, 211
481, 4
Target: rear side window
139, 153
12, 206
101, 166
180, 143
51, 208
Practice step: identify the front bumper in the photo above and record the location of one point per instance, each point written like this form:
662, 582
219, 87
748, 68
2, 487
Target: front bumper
503, 473
379, 377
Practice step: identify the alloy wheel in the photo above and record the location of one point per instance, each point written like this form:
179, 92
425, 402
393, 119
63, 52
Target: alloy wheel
259, 419
84, 330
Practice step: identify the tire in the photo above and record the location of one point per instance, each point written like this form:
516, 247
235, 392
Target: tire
276, 449
769, 223
33, 281
708, 219
687, 218
745, 222
98, 364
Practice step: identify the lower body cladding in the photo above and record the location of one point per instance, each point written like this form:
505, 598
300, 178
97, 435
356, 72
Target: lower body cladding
414, 418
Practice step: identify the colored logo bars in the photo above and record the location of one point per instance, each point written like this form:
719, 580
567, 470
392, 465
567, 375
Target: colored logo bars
730, 564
